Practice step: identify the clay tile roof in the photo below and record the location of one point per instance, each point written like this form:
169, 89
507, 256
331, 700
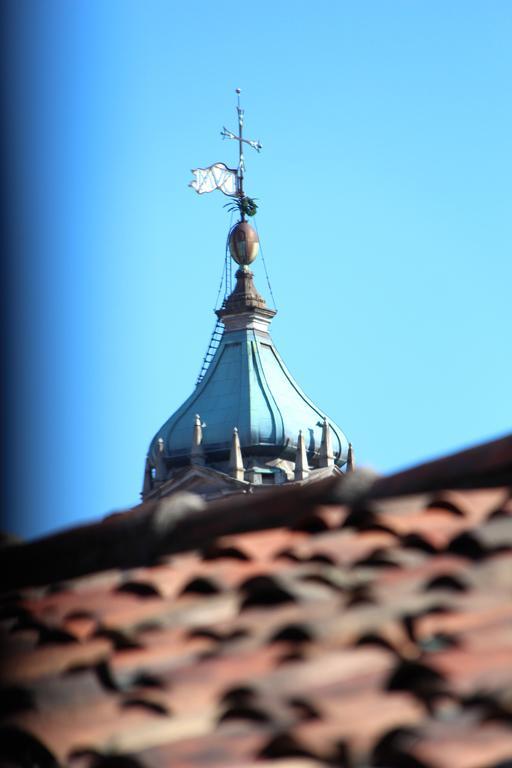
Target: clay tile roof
356, 622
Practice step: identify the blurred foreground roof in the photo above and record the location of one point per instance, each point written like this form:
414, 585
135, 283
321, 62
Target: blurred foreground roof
355, 621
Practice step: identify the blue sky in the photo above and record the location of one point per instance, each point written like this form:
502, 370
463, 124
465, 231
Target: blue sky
385, 218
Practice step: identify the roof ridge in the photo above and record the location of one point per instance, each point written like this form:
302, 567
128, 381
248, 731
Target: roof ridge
183, 521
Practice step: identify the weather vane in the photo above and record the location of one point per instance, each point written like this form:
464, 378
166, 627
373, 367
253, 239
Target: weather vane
230, 181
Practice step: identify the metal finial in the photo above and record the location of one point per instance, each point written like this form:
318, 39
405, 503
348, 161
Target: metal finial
230, 181
241, 141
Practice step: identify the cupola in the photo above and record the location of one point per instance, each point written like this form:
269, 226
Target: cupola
247, 423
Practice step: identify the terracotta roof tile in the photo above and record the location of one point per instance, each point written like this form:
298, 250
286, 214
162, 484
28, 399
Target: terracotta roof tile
24, 667
463, 743
372, 632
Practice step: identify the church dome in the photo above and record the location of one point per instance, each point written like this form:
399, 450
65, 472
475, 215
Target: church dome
248, 387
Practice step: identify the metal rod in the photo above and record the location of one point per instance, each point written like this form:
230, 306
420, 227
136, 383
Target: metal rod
240, 150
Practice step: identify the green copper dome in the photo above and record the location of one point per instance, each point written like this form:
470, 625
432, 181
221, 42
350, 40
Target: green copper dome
246, 386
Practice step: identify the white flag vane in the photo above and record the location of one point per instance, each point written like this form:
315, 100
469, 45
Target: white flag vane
228, 180
217, 176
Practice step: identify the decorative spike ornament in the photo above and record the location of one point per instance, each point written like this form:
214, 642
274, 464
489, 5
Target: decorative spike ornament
301, 459
197, 451
326, 457
148, 479
351, 462
161, 466
236, 466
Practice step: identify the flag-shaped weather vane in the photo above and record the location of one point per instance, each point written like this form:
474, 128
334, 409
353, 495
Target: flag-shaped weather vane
230, 181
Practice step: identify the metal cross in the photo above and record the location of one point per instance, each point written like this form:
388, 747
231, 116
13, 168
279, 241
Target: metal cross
241, 141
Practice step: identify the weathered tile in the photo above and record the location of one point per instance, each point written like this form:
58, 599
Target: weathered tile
377, 635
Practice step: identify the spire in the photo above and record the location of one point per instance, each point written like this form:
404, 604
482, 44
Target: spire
197, 451
326, 457
301, 459
236, 467
351, 462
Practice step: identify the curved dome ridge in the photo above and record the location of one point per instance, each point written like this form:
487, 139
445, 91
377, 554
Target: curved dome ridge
298, 415
275, 413
177, 430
